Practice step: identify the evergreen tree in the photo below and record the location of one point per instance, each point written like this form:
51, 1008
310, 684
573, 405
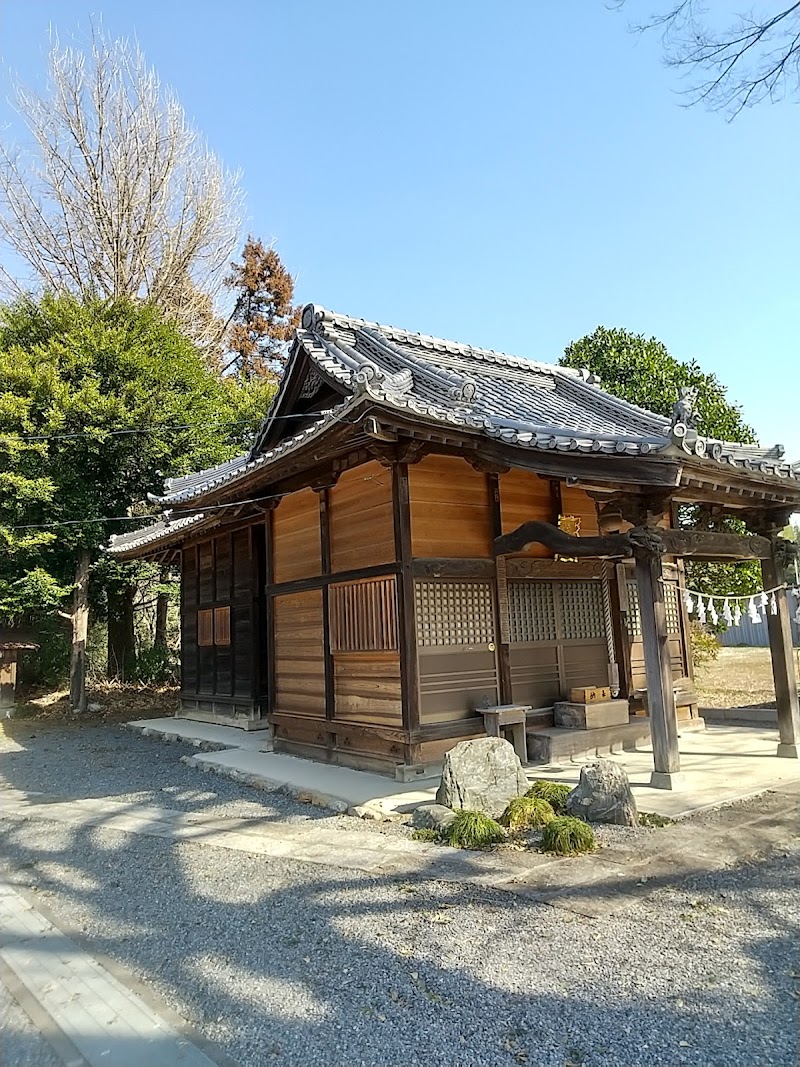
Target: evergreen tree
263, 316
98, 400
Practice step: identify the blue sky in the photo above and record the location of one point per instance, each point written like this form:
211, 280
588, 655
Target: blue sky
508, 174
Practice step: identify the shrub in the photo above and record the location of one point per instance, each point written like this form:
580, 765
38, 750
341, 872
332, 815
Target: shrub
154, 666
527, 813
426, 833
705, 646
553, 792
567, 836
473, 829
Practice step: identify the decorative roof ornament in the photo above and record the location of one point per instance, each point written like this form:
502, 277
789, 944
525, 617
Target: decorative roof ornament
683, 425
588, 376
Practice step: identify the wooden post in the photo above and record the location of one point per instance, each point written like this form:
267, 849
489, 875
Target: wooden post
80, 630
500, 598
406, 604
783, 672
325, 559
660, 694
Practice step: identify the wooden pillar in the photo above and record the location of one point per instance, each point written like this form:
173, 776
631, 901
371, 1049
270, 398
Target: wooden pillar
500, 598
325, 557
660, 694
783, 672
406, 606
269, 613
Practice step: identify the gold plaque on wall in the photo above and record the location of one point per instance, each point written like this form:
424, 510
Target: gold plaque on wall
570, 524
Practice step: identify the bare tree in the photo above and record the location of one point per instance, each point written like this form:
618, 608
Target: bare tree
734, 62
117, 193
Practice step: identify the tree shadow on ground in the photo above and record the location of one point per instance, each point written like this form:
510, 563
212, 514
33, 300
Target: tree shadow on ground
290, 963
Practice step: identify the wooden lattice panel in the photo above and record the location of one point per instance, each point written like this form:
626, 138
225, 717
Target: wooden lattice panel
363, 616
454, 613
582, 613
672, 610
532, 611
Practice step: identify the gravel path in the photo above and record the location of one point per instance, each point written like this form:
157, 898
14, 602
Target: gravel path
291, 964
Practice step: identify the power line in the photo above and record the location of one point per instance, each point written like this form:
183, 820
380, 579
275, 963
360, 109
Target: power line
154, 428
138, 518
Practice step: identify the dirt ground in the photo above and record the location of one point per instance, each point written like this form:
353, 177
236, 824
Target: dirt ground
108, 702
741, 677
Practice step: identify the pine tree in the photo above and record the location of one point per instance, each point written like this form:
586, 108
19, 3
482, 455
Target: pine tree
263, 316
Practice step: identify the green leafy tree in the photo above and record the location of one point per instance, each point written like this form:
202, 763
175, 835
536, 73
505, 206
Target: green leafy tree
641, 370
98, 400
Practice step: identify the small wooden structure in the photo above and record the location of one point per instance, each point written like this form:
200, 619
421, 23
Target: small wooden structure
423, 529
12, 642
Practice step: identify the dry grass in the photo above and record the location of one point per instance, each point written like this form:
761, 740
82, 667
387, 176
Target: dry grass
112, 702
740, 678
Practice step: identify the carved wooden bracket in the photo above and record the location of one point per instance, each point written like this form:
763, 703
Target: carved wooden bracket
640, 541
488, 466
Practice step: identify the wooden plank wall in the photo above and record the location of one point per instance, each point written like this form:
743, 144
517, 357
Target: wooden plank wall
576, 501
450, 512
361, 521
525, 497
299, 664
295, 537
367, 688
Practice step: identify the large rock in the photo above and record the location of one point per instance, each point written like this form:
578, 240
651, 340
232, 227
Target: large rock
603, 794
432, 817
481, 775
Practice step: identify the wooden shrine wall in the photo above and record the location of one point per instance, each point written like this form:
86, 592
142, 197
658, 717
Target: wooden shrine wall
221, 609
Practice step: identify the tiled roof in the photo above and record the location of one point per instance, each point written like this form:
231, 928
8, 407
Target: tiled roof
160, 531
509, 399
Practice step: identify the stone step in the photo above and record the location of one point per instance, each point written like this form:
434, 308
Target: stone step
562, 743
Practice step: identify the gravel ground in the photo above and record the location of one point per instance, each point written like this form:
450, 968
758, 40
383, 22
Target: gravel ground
291, 964
52, 758
294, 964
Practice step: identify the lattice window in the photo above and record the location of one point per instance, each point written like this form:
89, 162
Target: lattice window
454, 613
222, 626
582, 614
363, 616
205, 627
532, 611
672, 609
634, 618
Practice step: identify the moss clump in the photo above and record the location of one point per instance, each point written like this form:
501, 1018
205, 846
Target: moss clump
567, 836
553, 792
527, 813
426, 833
652, 818
473, 829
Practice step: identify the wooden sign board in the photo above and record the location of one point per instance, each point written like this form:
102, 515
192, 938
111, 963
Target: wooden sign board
590, 694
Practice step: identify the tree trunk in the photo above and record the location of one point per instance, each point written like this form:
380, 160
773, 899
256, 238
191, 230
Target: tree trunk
162, 607
121, 641
80, 630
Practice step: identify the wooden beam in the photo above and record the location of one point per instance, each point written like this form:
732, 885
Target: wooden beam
467, 567
660, 694
406, 604
783, 671
564, 544
695, 544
